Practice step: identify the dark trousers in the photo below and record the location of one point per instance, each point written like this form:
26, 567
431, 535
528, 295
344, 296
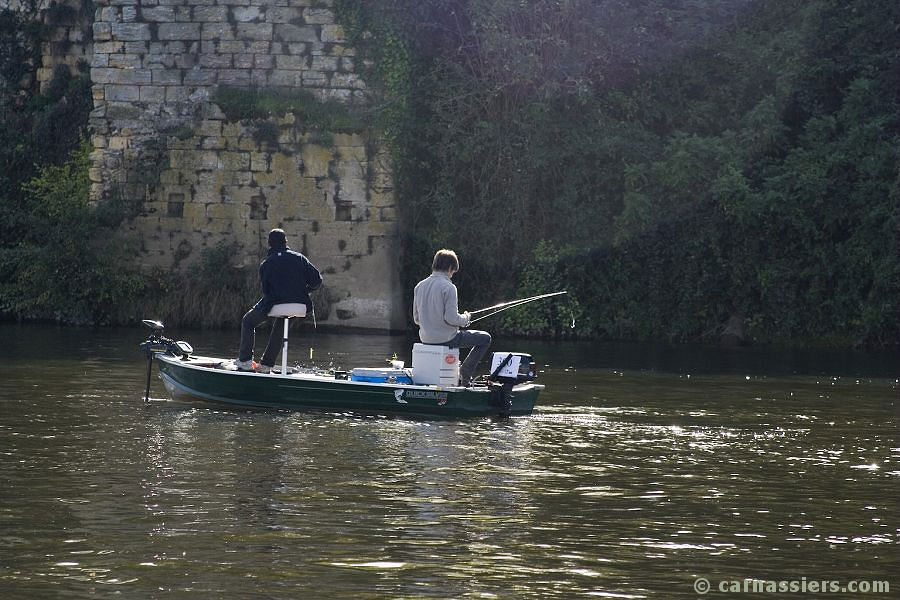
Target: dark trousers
253, 319
479, 342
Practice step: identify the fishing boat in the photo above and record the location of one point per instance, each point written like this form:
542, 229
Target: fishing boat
429, 388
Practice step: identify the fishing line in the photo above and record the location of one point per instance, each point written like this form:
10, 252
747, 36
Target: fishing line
511, 304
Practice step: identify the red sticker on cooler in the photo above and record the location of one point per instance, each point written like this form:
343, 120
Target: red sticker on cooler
449, 359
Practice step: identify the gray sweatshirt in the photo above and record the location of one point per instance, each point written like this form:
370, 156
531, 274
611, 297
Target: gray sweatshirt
435, 309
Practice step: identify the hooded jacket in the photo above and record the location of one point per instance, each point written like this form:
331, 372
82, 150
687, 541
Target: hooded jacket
287, 276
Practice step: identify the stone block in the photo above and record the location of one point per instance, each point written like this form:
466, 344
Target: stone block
286, 61
221, 210
183, 14
210, 183
387, 213
211, 14
117, 143
259, 161
347, 80
169, 177
152, 93
266, 179
246, 14
286, 32
232, 47
107, 14
169, 47
263, 61
166, 76
108, 47
213, 143
333, 34
324, 63
346, 64
177, 93
232, 130
207, 161
130, 31
295, 48
234, 161
199, 77
193, 210
259, 77
382, 199
102, 32
318, 16
243, 61
178, 31
316, 160
241, 178
283, 78
125, 76
209, 127
129, 14
350, 149
217, 31
99, 61
124, 61
281, 14
253, 31
158, 14
186, 61
341, 95
259, 47
215, 61
314, 79
238, 77
136, 47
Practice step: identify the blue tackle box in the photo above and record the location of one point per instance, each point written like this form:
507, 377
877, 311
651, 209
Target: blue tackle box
376, 375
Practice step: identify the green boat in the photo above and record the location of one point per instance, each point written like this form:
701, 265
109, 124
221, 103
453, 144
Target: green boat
216, 380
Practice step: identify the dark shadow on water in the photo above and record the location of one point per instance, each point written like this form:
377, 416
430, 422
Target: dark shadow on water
31, 342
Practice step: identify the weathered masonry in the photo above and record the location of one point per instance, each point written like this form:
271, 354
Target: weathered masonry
160, 140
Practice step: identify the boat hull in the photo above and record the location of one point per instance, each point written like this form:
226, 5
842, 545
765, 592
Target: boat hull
203, 379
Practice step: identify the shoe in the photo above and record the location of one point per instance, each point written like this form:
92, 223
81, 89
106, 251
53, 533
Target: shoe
265, 369
244, 365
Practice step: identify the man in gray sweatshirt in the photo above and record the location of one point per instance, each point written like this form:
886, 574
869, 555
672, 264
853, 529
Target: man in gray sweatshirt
436, 312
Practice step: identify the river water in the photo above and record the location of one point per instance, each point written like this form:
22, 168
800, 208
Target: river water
643, 472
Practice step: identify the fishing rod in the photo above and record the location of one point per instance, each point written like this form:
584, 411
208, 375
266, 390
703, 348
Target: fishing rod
498, 308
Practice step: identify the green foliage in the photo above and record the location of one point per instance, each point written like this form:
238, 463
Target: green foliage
65, 265
212, 292
552, 317
709, 169
240, 104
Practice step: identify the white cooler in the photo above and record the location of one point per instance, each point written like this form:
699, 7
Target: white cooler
435, 365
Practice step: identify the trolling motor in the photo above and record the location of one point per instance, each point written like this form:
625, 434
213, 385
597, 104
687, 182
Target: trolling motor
156, 344
508, 369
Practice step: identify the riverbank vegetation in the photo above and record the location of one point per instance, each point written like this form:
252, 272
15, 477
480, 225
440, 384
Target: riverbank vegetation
721, 171
690, 172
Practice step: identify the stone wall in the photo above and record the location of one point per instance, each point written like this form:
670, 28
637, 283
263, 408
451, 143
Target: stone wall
160, 141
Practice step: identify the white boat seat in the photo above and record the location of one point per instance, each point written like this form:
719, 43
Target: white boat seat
288, 309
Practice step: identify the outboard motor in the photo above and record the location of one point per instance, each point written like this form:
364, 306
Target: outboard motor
508, 369
157, 343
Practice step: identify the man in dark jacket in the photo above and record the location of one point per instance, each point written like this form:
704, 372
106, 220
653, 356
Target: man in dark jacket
286, 276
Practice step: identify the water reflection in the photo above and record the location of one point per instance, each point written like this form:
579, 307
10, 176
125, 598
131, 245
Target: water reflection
623, 484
